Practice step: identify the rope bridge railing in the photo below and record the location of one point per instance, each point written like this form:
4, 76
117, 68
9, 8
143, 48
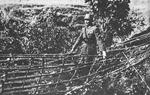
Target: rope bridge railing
20, 72
60, 73
15, 74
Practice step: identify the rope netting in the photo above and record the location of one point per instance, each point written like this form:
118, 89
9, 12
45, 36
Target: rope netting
63, 73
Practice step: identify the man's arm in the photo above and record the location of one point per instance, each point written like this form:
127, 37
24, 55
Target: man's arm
78, 41
100, 42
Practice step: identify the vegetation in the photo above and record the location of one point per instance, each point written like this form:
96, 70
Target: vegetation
36, 29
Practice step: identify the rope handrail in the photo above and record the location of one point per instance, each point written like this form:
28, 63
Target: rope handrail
32, 55
58, 73
89, 75
111, 49
34, 76
38, 67
70, 80
65, 81
141, 37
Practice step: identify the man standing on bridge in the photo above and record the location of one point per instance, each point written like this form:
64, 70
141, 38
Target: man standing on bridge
91, 38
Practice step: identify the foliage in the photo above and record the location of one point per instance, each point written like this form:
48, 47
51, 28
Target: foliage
41, 30
114, 18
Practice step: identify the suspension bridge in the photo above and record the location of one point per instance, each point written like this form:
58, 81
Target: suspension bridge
43, 74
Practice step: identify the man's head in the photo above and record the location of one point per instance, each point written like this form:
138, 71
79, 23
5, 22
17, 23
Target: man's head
88, 19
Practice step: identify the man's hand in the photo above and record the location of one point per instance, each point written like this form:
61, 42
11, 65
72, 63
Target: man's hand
104, 54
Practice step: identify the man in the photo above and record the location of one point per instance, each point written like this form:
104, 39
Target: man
91, 38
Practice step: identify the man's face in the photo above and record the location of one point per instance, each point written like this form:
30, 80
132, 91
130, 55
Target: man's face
87, 22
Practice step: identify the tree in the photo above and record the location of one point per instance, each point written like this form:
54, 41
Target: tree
112, 18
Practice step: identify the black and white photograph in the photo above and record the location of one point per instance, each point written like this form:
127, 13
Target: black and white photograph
74, 47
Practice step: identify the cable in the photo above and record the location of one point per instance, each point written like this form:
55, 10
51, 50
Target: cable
137, 72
